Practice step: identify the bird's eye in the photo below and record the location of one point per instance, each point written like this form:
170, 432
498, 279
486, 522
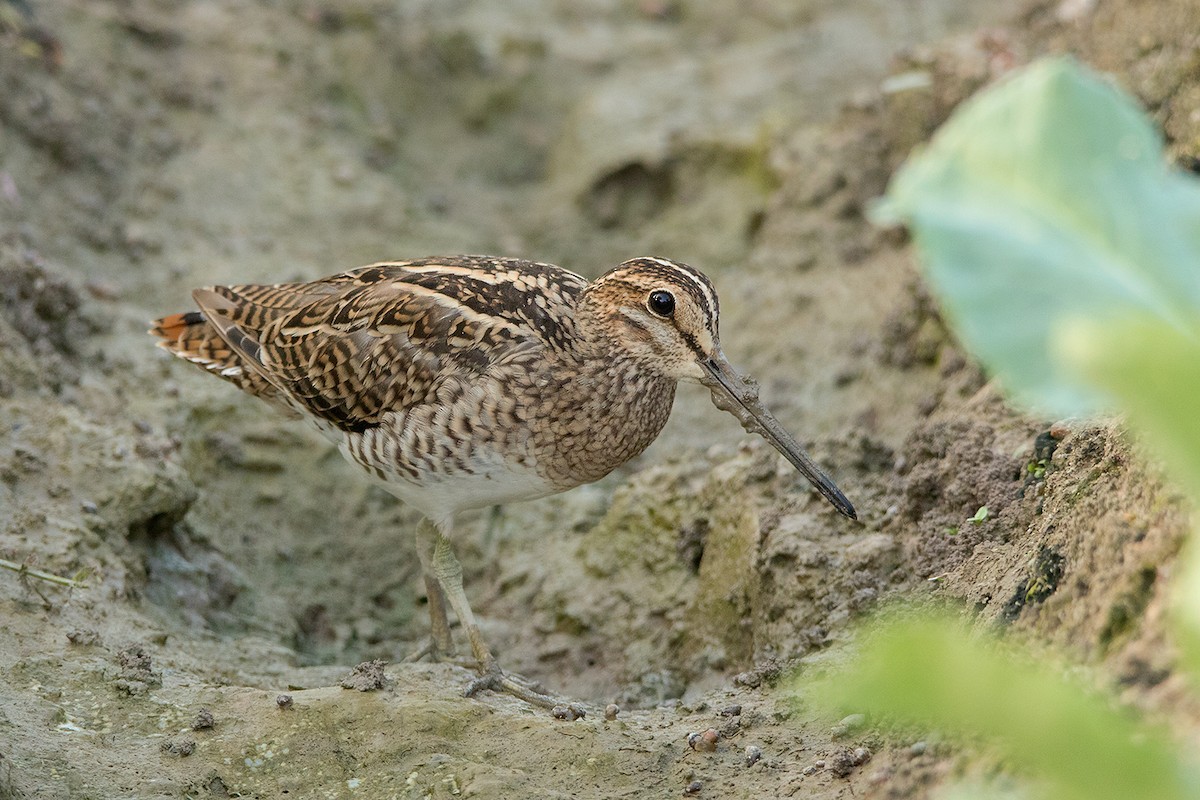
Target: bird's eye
661, 303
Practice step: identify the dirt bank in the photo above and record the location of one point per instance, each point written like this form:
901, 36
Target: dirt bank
232, 563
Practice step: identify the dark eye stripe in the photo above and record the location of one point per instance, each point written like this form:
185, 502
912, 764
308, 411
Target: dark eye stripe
691, 342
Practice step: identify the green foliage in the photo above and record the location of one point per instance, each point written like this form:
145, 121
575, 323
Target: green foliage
932, 672
1153, 369
1045, 200
1066, 254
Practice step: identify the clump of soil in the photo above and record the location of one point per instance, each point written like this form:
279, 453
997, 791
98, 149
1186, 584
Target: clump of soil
366, 677
136, 676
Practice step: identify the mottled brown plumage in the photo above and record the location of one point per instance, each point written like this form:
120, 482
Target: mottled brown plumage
467, 381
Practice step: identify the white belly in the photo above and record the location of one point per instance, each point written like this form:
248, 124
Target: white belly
492, 481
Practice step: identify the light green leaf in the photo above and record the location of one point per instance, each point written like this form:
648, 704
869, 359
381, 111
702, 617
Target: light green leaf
1067, 256
1048, 197
1153, 369
933, 672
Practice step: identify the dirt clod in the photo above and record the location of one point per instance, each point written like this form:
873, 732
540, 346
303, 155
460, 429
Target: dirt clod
215, 786
845, 761
136, 676
765, 673
84, 637
568, 711
204, 720
182, 746
366, 677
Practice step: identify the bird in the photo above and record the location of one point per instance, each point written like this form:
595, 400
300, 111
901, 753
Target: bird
465, 382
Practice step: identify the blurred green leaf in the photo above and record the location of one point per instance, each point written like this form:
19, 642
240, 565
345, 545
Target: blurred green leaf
935, 672
1067, 257
1043, 198
1153, 369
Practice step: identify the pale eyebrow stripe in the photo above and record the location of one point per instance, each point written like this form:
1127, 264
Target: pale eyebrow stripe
705, 290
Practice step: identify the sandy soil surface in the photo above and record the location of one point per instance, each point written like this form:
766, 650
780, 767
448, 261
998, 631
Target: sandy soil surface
236, 568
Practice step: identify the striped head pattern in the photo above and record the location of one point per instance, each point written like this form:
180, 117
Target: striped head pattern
662, 313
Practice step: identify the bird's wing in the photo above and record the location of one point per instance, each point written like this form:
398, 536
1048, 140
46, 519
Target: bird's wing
389, 337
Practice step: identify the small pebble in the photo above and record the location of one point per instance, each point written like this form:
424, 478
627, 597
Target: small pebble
703, 741
204, 720
611, 710
569, 712
88, 507
753, 754
731, 711
283, 701
694, 787
918, 748
1059, 431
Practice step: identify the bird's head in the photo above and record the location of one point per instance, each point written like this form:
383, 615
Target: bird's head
664, 315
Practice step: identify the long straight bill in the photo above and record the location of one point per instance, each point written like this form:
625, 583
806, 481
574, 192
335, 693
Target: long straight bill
731, 393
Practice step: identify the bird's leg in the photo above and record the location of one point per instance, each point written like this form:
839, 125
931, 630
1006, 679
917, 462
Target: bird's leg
448, 572
441, 644
439, 624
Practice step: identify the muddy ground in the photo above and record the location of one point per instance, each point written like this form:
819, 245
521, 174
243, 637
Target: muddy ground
229, 557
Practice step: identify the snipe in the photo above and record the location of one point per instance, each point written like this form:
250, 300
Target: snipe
469, 381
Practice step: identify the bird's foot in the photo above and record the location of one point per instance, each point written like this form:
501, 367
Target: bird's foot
437, 655
494, 679
424, 650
